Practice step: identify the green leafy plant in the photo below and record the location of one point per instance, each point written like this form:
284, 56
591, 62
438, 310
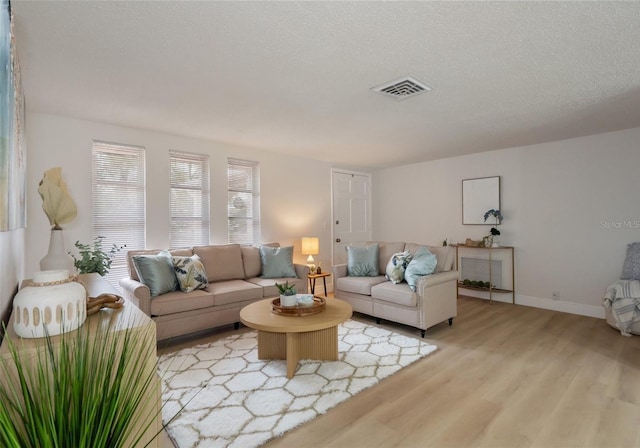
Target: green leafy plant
286, 289
92, 258
89, 388
498, 216
495, 213
476, 283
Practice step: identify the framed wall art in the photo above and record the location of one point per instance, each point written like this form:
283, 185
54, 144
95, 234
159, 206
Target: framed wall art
12, 144
478, 196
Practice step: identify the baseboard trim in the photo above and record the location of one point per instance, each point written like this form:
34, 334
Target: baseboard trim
546, 304
505, 297
562, 306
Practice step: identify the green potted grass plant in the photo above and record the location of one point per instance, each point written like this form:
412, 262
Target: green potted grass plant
82, 389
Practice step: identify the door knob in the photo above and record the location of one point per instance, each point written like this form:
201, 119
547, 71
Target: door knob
338, 240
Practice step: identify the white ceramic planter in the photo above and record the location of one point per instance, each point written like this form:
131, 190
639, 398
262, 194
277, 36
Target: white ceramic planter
288, 300
54, 300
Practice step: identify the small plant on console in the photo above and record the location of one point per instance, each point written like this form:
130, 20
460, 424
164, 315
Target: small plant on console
498, 216
92, 258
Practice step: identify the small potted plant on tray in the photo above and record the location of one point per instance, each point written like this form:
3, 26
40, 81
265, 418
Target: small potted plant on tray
287, 294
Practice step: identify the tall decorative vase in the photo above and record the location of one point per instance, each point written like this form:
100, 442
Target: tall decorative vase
57, 257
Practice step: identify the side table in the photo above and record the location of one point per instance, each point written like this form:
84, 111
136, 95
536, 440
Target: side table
312, 281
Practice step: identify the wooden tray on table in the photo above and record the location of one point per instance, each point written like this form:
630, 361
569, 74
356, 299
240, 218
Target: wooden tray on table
318, 306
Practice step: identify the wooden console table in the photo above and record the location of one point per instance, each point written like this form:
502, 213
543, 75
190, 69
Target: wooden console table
128, 317
490, 289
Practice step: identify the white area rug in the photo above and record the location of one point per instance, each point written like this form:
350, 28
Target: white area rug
236, 400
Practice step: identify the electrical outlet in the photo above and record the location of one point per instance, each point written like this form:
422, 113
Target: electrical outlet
556, 295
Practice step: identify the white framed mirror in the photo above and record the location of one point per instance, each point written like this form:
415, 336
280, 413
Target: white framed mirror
478, 196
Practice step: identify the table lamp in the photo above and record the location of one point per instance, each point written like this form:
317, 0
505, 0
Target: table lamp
311, 247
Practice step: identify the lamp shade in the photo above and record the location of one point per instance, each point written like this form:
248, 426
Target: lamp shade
310, 246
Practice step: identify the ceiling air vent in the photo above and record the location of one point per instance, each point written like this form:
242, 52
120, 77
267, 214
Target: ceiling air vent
402, 88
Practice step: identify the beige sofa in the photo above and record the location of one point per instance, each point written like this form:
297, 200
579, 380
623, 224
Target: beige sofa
434, 301
234, 274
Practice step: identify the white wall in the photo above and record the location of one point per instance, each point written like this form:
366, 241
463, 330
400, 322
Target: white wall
12, 246
295, 192
562, 202
570, 208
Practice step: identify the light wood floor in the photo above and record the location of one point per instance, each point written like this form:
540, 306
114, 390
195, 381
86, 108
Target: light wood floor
503, 376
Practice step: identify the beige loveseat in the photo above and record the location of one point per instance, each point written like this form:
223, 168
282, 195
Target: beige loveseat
234, 275
434, 301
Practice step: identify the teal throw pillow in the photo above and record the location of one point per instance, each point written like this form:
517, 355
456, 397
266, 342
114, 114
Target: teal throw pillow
423, 263
397, 265
277, 262
190, 273
362, 261
156, 271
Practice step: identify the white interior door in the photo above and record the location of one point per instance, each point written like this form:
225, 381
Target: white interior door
351, 211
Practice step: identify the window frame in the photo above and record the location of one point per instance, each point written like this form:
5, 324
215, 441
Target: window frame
128, 224
253, 237
203, 217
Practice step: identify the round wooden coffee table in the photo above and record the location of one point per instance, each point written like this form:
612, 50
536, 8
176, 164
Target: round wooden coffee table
296, 337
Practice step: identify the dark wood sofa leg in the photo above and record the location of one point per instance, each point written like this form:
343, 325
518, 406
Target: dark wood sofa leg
377, 321
450, 321
236, 325
422, 332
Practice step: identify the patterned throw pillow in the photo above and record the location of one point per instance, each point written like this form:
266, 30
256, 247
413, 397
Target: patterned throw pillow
396, 266
631, 267
190, 273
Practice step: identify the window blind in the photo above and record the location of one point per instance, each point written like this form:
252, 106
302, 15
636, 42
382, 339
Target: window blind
119, 201
190, 199
243, 201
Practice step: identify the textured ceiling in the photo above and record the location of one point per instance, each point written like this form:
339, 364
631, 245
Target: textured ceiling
295, 77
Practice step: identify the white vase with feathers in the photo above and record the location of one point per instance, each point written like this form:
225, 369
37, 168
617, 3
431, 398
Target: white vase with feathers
60, 209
